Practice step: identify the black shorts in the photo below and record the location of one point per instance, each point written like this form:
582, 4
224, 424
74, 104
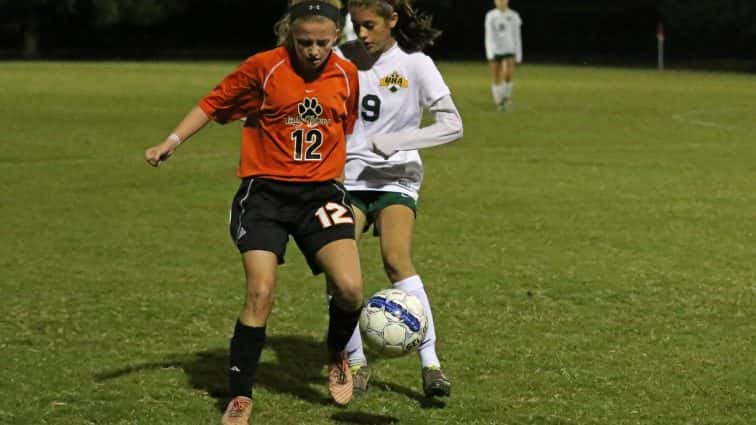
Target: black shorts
265, 212
501, 57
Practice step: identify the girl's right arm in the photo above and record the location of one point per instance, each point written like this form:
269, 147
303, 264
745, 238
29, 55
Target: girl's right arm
489, 37
191, 124
518, 40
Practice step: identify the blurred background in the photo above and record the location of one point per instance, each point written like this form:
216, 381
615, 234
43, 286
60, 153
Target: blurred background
718, 33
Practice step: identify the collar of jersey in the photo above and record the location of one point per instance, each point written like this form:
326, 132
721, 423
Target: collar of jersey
388, 53
328, 65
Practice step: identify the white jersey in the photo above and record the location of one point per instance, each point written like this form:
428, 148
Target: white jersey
393, 94
503, 34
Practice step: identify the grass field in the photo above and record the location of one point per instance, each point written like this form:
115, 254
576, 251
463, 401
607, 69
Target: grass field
591, 256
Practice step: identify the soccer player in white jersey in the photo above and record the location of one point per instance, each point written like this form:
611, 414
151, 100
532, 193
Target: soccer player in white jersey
384, 170
503, 49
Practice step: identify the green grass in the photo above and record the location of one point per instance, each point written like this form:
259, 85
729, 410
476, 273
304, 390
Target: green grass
590, 255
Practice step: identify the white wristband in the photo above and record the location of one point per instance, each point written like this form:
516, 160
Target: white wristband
175, 137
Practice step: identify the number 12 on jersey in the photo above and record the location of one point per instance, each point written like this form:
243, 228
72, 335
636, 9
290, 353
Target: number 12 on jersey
313, 138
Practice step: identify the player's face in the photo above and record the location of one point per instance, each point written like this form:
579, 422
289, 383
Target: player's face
313, 41
501, 4
373, 29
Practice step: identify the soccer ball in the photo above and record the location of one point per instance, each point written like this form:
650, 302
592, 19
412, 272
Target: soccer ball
393, 322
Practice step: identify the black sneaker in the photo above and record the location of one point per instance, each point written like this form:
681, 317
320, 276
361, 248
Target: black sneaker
360, 379
435, 383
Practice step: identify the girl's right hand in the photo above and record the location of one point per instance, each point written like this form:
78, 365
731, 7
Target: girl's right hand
159, 153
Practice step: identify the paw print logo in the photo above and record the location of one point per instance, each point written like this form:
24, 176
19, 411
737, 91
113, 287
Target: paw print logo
310, 110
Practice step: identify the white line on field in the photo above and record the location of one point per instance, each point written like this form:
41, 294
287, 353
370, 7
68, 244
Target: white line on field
689, 118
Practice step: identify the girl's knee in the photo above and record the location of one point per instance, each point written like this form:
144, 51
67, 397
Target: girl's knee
259, 293
348, 293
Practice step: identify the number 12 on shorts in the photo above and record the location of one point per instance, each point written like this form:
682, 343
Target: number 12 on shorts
333, 213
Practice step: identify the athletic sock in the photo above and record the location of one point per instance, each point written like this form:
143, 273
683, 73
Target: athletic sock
502, 93
355, 350
507, 90
341, 327
246, 346
414, 286
496, 92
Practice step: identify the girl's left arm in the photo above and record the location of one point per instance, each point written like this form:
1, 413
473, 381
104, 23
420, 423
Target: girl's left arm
447, 127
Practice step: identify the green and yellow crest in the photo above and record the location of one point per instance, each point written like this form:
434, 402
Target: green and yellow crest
394, 82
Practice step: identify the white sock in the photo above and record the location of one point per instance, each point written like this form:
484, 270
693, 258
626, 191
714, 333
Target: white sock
413, 285
507, 90
501, 93
354, 349
496, 92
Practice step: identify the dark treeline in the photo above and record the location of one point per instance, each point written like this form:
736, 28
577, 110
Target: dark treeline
567, 30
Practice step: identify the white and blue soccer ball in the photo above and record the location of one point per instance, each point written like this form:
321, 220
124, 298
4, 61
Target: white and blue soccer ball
393, 322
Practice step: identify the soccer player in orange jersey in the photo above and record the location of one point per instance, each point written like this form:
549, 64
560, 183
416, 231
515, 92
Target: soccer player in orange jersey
298, 102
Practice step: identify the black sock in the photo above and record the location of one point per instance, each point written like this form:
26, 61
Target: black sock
341, 325
246, 346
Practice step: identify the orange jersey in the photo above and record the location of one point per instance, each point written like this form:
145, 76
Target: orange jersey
295, 130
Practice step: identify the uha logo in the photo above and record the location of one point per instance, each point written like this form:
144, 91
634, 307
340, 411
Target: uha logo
394, 82
309, 113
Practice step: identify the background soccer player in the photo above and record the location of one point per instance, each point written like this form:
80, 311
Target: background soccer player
384, 171
503, 40
348, 30
299, 101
